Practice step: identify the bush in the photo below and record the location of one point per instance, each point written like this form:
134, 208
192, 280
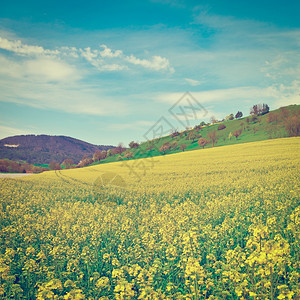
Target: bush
221, 127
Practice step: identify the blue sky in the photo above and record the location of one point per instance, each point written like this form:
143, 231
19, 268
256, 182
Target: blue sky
106, 71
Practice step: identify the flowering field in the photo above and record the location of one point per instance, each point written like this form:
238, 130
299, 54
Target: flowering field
219, 223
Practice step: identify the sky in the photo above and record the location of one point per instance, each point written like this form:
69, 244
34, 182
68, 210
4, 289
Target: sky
115, 71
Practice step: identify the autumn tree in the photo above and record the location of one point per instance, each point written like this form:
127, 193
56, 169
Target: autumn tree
118, 150
237, 133
174, 133
150, 147
133, 144
174, 145
182, 147
67, 163
255, 129
197, 127
128, 155
229, 117
203, 142
273, 117
97, 155
259, 109
54, 165
253, 118
85, 162
292, 125
212, 135
283, 113
193, 136
165, 147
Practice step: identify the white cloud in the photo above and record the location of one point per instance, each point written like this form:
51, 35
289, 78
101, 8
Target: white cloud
157, 63
192, 82
103, 60
70, 51
38, 70
50, 70
109, 53
98, 59
91, 56
113, 67
19, 48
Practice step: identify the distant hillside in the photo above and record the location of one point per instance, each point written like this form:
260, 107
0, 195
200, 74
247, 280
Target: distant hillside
42, 149
275, 124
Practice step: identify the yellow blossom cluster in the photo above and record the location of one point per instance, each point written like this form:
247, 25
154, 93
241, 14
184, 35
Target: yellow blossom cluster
220, 223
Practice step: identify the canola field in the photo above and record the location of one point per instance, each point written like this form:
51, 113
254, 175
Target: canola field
219, 223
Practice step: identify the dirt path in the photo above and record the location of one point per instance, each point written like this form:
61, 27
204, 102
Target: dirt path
12, 175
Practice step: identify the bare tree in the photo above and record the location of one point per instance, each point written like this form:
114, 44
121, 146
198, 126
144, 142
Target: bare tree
213, 119
212, 135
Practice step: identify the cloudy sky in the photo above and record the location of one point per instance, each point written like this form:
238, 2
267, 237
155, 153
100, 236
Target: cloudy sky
106, 71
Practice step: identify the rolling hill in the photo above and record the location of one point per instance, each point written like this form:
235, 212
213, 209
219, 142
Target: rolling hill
42, 149
251, 128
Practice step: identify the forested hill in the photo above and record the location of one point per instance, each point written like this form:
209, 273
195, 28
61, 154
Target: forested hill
42, 149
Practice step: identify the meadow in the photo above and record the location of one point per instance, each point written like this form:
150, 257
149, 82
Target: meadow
217, 223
